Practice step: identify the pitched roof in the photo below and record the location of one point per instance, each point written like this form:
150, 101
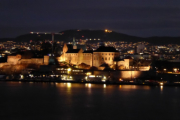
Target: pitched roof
69, 46
73, 50
106, 49
88, 51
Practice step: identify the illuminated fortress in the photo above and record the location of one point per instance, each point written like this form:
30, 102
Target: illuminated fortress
102, 56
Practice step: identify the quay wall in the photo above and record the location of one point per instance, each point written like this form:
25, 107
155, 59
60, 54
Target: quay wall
126, 75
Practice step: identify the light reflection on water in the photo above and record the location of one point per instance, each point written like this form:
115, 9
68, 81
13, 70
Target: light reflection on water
161, 88
87, 101
104, 85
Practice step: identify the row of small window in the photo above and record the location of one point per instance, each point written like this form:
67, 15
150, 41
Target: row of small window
106, 54
105, 58
61, 69
77, 54
77, 70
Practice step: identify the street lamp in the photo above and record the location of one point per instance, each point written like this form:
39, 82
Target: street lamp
175, 69
69, 70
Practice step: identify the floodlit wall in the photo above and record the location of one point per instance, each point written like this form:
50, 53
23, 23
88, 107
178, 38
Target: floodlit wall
31, 61
87, 58
124, 63
126, 75
104, 57
13, 59
46, 60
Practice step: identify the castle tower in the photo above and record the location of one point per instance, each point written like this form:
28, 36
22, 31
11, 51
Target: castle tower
74, 43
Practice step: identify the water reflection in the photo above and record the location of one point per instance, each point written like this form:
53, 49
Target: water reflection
101, 101
134, 87
161, 88
104, 86
68, 85
69, 88
88, 85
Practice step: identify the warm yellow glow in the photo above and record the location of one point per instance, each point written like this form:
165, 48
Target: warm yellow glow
120, 79
175, 69
161, 88
89, 85
69, 69
161, 83
120, 86
88, 73
104, 85
22, 76
69, 85
106, 30
91, 75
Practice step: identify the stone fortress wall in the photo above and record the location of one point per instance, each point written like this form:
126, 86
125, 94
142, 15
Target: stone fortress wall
16, 59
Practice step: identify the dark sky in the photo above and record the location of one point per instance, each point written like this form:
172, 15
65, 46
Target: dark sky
142, 18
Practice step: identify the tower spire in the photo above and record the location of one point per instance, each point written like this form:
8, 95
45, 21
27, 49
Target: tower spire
74, 43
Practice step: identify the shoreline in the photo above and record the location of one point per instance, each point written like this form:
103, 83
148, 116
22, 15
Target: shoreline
87, 82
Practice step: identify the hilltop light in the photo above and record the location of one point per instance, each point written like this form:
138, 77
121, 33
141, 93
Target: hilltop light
106, 30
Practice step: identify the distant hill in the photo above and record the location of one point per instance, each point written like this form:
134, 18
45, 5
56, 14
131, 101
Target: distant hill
163, 40
87, 34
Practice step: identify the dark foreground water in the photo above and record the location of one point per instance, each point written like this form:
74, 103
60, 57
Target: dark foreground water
72, 101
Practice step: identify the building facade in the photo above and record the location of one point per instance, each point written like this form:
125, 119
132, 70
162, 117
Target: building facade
103, 55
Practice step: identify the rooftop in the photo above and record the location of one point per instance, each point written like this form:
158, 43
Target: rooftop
106, 49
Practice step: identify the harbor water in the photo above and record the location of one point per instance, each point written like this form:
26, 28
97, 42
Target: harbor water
77, 101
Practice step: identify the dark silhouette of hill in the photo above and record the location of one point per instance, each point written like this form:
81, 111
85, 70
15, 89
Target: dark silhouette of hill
7, 39
68, 35
163, 40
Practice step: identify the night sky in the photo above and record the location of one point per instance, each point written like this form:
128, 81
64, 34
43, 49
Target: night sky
143, 18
